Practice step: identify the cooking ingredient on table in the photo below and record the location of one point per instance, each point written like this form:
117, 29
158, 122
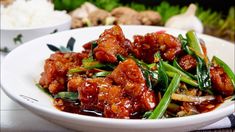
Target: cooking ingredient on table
155, 76
89, 14
186, 21
215, 23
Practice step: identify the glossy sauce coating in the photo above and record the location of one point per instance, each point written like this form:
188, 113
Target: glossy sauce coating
55, 70
144, 47
124, 92
220, 81
110, 43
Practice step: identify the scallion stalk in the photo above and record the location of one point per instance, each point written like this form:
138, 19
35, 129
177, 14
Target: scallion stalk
71, 96
183, 79
171, 68
164, 102
194, 42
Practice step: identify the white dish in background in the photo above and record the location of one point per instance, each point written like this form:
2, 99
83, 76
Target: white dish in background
11, 38
22, 67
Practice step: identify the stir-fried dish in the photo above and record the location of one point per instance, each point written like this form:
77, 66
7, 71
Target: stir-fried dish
155, 76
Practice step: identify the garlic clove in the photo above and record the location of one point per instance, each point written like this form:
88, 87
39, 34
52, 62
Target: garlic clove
186, 21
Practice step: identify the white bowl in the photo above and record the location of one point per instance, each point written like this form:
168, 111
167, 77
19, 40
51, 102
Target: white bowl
11, 38
22, 67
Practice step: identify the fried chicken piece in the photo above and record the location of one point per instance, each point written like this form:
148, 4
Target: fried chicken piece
111, 43
144, 47
129, 76
120, 95
55, 70
220, 81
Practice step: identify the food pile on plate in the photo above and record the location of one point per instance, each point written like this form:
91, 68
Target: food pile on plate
156, 75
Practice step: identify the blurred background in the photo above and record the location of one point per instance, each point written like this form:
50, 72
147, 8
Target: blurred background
215, 16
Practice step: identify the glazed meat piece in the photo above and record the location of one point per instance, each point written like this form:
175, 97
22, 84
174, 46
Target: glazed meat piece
221, 82
75, 82
100, 95
169, 46
55, 70
117, 105
188, 62
144, 47
120, 95
98, 82
129, 76
89, 91
111, 43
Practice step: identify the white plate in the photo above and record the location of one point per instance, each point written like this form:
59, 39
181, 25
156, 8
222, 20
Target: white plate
22, 67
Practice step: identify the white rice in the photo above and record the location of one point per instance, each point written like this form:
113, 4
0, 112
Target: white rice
30, 14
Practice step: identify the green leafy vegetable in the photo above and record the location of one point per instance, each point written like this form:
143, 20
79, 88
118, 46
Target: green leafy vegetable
93, 46
90, 63
202, 69
120, 58
226, 68
203, 75
147, 114
167, 11
164, 102
45, 90
106, 4
68, 5
71, 96
147, 78
162, 83
150, 76
183, 79
137, 6
184, 44
169, 67
176, 64
76, 70
194, 42
152, 65
229, 21
102, 74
